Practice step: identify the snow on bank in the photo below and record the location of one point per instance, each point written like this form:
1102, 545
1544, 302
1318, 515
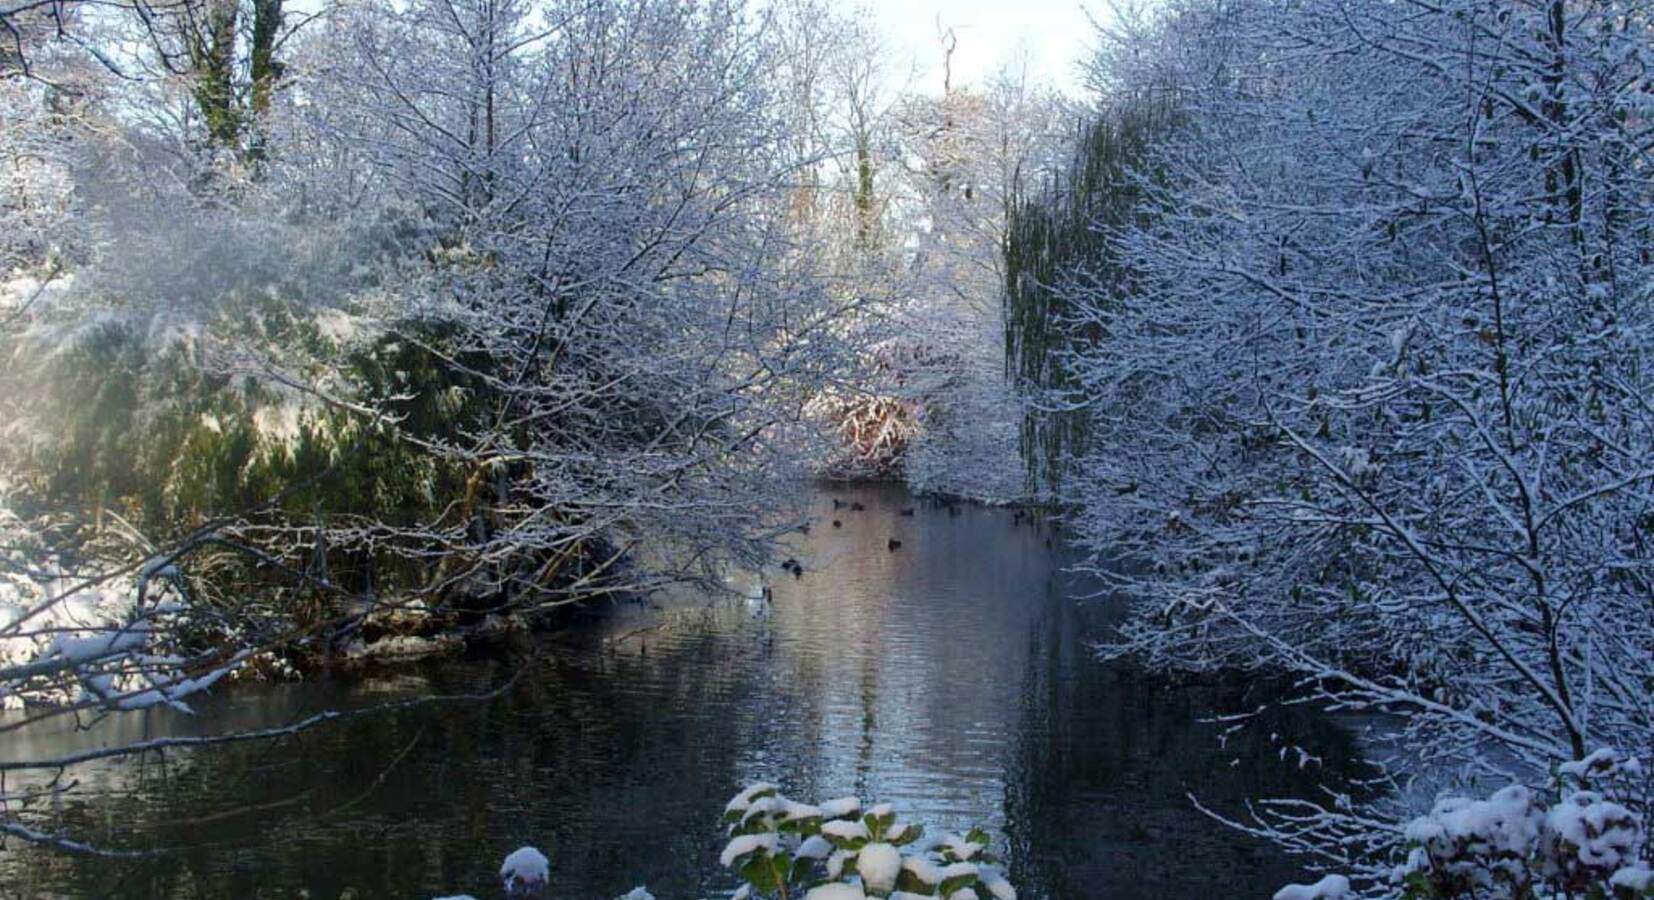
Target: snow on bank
64, 640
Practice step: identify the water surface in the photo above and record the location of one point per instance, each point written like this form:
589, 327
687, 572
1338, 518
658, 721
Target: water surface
951, 677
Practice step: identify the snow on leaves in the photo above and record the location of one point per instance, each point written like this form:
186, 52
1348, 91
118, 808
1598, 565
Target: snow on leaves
1515, 843
838, 851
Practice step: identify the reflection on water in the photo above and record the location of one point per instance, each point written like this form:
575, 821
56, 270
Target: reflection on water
949, 677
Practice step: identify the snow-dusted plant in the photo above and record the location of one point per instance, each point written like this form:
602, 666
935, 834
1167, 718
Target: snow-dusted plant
841, 850
525, 874
1589, 840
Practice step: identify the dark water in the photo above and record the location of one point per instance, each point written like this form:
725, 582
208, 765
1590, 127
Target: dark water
950, 677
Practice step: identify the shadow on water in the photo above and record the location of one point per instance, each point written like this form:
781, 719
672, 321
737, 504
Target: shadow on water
1107, 759
950, 676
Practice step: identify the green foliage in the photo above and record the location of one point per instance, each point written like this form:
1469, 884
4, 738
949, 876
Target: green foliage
125, 415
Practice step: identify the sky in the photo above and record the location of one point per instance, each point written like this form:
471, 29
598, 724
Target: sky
1051, 34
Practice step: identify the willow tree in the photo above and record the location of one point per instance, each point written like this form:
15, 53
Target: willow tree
1057, 237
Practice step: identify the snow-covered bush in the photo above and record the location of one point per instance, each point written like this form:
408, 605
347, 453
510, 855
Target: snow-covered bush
873, 432
1332, 887
1592, 842
839, 850
525, 872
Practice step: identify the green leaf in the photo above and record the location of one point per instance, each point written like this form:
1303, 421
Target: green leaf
757, 873
907, 881
878, 825
845, 843
806, 826
765, 872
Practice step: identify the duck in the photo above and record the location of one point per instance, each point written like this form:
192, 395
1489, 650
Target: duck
906, 512
837, 524
893, 545
856, 507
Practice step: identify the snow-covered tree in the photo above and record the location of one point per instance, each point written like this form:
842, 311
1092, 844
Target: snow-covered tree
601, 184
1365, 384
966, 152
